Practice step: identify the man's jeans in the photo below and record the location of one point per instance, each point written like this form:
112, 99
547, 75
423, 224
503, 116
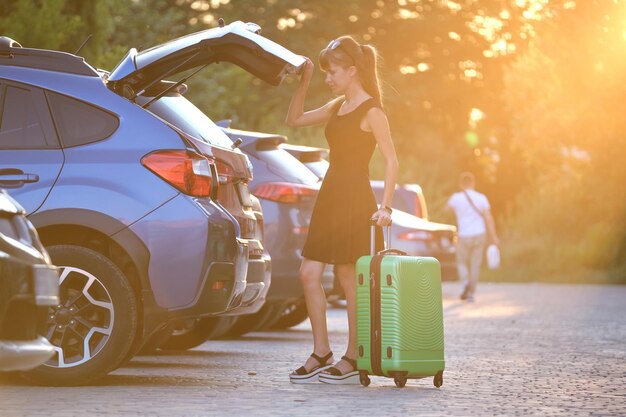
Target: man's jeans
469, 258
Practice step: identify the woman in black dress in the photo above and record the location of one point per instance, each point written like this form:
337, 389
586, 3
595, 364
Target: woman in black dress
339, 232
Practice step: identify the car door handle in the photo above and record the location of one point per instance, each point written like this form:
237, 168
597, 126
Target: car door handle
23, 178
15, 178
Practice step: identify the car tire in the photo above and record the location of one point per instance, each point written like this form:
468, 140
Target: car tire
190, 333
265, 317
98, 313
292, 316
154, 342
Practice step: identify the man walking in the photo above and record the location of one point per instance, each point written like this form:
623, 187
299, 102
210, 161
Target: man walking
475, 226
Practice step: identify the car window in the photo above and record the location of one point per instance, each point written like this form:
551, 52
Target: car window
7, 228
183, 114
16, 228
398, 202
79, 123
24, 120
287, 166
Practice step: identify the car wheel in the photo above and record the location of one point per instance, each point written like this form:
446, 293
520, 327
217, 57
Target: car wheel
260, 320
190, 333
293, 315
154, 342
93, 327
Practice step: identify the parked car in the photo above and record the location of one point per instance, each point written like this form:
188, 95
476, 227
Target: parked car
315, 159
233, 195
124, 202
69, 147
420, 237
235, 172
29, 285
287, 190
407, 197
171, 106
411, 230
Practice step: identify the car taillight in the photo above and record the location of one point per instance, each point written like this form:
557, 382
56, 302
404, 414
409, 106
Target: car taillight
418, 207
284, 192
187, 171
224, 171
300, 230
416, 235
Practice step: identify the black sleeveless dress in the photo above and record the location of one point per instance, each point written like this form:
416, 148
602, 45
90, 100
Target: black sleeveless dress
339, 232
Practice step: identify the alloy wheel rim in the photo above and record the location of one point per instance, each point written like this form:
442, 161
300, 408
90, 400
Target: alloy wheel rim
80, 326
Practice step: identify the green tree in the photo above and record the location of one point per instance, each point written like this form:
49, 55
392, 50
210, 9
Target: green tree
564, 96
39, 24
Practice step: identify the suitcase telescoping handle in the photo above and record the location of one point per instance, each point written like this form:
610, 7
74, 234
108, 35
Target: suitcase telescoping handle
387, 251
373, 225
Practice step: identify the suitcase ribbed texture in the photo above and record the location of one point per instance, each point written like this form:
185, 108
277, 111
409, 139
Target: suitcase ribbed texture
411, 317
413, 323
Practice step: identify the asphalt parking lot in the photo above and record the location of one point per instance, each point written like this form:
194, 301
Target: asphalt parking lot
520, 349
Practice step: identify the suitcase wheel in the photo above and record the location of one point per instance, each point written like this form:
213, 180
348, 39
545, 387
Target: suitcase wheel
400, 381
438, 379
363, 378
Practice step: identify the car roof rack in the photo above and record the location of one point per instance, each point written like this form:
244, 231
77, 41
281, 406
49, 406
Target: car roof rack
13, 54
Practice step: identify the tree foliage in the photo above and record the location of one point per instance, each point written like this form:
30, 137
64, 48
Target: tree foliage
41, 24
525, 93
564, 97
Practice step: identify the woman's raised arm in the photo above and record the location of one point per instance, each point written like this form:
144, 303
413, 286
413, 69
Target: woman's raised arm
296, 116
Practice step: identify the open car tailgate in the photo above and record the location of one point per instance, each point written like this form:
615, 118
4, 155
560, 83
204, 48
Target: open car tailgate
238, 43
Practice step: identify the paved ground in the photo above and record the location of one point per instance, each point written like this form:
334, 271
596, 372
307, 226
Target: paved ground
521, 349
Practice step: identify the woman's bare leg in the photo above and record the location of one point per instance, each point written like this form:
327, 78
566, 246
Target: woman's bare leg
311, 277
346, 274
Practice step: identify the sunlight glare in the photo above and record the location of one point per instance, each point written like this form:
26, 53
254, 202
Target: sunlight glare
493, 311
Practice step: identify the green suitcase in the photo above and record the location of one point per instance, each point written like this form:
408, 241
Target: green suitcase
399, 317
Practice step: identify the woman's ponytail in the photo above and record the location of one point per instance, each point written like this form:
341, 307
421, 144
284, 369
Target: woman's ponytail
369, 73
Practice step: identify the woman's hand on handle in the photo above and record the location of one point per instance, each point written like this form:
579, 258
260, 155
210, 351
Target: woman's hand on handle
296, 116
382, 217
307, 70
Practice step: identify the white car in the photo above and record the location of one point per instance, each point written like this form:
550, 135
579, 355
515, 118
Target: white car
411, 231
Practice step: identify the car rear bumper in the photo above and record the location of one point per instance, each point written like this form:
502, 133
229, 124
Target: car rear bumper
26, 292
197, 264
21, 281
258, 282
223, 288
21, 355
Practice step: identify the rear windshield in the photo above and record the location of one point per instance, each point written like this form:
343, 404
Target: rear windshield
285, 165
183, 114
319, 168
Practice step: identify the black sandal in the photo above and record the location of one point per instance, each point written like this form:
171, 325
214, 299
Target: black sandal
301, 375
334, 375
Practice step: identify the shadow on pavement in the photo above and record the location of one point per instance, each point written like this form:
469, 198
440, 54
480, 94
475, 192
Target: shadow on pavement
12, 378
203, 353
154, 364
145, 380
265, 338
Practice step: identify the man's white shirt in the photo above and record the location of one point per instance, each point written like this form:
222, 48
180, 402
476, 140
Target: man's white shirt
470, 222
